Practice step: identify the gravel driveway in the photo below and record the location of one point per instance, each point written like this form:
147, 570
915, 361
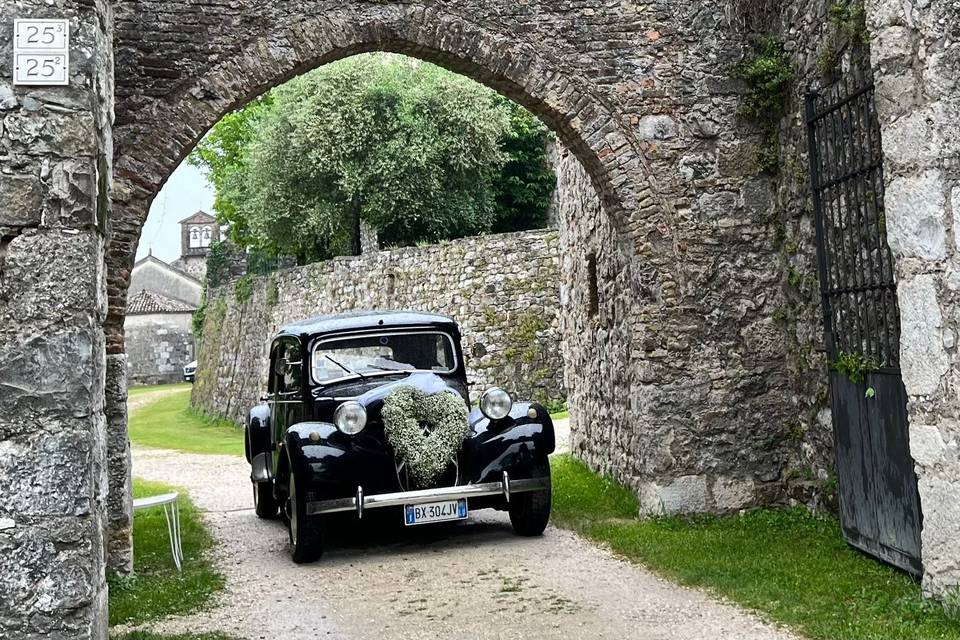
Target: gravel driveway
474, 580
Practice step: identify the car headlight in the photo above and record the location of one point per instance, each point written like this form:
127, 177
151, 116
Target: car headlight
350, 418
495, 403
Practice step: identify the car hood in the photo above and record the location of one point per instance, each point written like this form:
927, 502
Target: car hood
374, 390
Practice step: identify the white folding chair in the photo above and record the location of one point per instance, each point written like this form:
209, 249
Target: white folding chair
171, 511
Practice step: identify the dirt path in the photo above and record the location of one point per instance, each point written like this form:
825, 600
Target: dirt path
475, 580
143, 399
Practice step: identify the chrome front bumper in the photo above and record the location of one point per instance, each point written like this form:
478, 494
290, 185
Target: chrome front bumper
358, 503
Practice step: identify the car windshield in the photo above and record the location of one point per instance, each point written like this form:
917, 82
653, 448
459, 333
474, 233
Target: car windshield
365, 355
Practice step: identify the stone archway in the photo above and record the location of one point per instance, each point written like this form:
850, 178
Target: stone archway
154, 134
680, 376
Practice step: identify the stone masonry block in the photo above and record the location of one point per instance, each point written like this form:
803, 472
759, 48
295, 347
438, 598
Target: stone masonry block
915, 216
21, 201
686, 494
924, 361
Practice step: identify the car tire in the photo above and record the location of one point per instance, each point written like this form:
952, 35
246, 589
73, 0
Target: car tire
264, 503
306, 532
530, 511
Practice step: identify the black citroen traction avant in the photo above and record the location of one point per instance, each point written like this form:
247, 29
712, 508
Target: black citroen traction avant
317, 445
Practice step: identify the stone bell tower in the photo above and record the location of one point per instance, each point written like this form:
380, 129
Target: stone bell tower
197, 233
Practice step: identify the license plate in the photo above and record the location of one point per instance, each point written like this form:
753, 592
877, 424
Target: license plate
435, 512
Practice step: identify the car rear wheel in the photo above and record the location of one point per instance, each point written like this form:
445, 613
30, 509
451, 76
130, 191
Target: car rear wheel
263, 501
306, 532
530, 511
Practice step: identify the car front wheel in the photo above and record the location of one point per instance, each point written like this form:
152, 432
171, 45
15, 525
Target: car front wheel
263, 501
530, 511
306, 532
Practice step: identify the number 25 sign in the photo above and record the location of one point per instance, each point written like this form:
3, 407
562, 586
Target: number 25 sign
41, 52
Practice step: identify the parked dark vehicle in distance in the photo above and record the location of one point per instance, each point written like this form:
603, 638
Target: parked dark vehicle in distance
348, 393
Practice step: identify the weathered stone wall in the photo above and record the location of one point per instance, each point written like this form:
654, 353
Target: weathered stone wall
158, 347
916, 65
55, 155
502, 289
195, 266
689, 404
819, 50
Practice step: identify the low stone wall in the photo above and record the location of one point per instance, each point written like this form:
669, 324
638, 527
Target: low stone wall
502, 289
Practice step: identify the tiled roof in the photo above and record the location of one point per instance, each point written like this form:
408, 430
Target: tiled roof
150, 302
201, 217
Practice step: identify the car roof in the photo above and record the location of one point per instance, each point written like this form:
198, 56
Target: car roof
366, 320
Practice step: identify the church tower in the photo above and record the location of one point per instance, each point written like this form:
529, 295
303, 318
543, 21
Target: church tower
197, 233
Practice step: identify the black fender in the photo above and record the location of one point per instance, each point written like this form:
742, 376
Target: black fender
310, 445
332, 465
258, 444
513, 444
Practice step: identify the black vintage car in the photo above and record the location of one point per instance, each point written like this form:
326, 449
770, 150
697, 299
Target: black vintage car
370, 410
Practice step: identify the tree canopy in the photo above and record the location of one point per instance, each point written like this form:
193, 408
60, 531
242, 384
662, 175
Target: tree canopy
416, 151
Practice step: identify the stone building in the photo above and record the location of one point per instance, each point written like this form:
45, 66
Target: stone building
161, 300
197, 233
159, 338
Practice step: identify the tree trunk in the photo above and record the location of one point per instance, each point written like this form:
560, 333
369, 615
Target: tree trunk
356, 246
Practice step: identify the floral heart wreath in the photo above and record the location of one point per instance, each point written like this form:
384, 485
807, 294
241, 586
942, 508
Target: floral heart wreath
428, 451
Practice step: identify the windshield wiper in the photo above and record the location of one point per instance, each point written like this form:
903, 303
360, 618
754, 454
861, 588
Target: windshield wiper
400, 368
345, 368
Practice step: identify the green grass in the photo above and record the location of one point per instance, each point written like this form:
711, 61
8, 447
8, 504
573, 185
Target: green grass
133, 392
170, 423
791, 567
156, 589
560, 415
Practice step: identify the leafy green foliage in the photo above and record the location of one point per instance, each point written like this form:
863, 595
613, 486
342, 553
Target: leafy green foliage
218, 264
768, 76
854, 366
223, 154
791, 567
243, 289
170, 423
850, 18
526, 182
199, 316
157, 589
420, 153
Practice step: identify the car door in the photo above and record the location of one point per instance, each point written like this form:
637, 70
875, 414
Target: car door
286, 389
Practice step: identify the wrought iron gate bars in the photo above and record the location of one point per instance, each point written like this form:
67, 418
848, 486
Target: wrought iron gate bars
856, 267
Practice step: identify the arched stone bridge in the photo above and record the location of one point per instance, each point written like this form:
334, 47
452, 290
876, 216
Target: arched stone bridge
683, 382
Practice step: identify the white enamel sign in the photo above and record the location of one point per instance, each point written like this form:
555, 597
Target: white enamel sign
41, 52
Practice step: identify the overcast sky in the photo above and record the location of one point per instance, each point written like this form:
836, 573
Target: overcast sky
186, 192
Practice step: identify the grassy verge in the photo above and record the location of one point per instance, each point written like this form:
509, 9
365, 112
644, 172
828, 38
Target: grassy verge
560, 415
170, 423
787, 565
133, 392
156, 589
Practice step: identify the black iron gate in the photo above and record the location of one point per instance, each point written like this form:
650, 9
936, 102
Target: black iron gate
879, 503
